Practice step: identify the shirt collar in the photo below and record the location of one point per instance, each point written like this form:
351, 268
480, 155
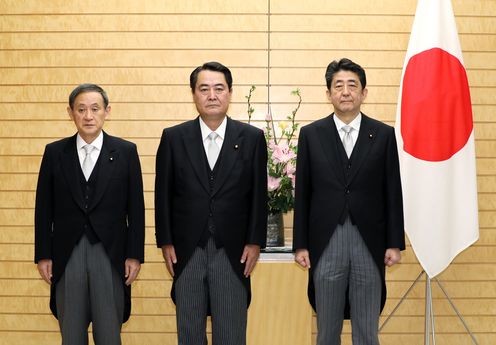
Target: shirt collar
205, 131
97, 143
355, 124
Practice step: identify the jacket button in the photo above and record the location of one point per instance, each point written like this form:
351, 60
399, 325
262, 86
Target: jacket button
347, 191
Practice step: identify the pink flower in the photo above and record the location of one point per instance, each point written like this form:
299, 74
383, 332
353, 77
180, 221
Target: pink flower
271, 144
268, 117
273, 183
290, 169
282, 153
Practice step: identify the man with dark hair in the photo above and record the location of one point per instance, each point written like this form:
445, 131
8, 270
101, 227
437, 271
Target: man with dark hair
348, 219
211, 211
89, 223
210, 66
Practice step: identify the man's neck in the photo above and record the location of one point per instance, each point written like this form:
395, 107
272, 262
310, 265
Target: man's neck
88, 139
346, 117
211, 123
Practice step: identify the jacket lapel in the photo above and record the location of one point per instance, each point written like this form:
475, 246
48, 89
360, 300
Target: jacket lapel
230, 149
328, 136
107, 161
70, 166
366, 138
193, 144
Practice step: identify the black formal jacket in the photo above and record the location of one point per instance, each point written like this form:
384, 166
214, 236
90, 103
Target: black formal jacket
372, 194
116, 211
238, 203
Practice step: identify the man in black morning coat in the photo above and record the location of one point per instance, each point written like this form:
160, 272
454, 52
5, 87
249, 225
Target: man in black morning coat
89, 223
348, 220
211, 211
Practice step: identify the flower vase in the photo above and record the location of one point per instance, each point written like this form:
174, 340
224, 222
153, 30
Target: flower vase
275, 230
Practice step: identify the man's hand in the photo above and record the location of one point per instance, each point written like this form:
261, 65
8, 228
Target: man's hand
302, 257
169, 254
132, 268
392, 256
250, 257
45, 269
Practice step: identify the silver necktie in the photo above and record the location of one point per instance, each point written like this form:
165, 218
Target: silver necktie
212, 150
88, 161
347, 140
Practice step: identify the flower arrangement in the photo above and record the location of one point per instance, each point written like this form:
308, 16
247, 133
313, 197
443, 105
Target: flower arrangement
282, 151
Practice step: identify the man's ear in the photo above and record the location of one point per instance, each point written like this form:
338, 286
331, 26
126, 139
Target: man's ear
107, 111
365, 91
69, 112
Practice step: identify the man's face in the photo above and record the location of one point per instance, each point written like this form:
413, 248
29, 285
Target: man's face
346, 93
89, 114
211, 95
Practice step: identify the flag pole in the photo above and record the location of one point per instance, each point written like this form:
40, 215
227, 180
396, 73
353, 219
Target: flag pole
429, 311
429, 315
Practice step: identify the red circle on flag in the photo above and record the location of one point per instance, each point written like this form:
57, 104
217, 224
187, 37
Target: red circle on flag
436, 112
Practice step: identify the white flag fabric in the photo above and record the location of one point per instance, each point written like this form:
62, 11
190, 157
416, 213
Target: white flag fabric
435, 135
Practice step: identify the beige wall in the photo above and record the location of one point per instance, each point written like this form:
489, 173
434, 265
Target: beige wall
142, 52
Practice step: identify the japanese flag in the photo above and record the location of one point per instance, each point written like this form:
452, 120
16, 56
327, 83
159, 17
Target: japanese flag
435, 135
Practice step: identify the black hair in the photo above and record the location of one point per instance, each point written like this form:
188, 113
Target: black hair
210, 66
345, 65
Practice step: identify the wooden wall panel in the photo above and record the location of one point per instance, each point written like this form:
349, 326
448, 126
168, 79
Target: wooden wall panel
132, 40
127, 58
133, 22
134, 7
142, 52
386, 7
119, 76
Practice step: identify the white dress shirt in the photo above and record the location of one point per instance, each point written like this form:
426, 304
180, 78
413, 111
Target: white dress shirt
355, 124
97, 143
205, 132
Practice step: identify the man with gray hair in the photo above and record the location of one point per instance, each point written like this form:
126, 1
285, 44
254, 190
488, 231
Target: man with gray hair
90, 223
